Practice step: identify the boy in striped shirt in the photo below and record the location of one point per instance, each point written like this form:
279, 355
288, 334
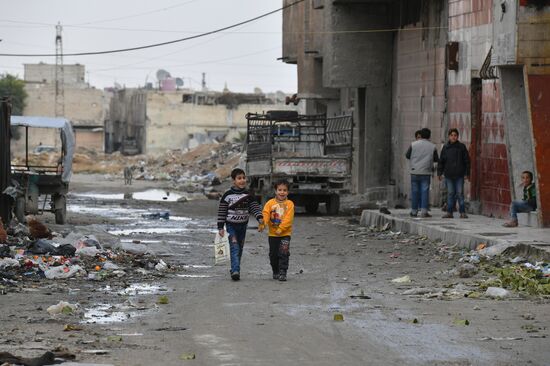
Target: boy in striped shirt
236, 205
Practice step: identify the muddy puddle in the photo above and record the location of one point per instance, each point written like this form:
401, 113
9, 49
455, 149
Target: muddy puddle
104, 313
148, 195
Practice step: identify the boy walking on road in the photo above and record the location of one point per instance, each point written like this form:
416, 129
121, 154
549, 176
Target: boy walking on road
278, 214
454, 164
236, 205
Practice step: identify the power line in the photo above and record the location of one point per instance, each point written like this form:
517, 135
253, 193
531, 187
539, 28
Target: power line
134, 15
200, 62
158, 44
82, 25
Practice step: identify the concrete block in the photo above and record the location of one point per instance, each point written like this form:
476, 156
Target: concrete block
528, 219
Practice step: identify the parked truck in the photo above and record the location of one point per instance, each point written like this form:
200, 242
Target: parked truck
312, 152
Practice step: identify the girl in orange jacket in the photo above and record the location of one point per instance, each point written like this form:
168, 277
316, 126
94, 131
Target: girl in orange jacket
278, 215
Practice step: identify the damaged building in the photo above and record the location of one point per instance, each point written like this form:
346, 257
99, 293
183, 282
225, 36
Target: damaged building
151, 121
481, 66
86, 107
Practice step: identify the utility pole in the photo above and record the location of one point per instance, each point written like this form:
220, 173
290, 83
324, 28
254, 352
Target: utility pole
203, 81
59, 80
5, 158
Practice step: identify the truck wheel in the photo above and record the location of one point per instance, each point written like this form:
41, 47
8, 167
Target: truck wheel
61, 211
312, 207
333, 205
20, 209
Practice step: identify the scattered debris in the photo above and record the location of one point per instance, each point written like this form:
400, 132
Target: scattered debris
484, 339
62, 307
464, 322
187, 356
360, 296
466, 270
71, 327
404, 279
163, 300
338, 317
497, 292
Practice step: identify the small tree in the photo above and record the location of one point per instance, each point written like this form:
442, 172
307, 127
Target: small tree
13, 87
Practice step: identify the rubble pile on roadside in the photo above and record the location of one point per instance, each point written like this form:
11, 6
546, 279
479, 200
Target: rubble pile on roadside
195, 171
214, 159
28, 254
496, 272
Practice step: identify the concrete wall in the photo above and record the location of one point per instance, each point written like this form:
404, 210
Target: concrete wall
360, 65
419, 92
171, 124
517, 127
89, 139
357, 59
293, 27
127, 119
82, 106
45, 73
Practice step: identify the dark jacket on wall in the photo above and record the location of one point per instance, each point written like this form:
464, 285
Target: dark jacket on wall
454, 161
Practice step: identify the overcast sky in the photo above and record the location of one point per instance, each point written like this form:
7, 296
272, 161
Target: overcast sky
244, 57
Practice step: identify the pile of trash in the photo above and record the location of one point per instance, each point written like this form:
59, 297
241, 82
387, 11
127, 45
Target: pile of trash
504, 273
32, 252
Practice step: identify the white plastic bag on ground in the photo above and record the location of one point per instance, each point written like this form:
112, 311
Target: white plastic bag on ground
221, 249
63, 272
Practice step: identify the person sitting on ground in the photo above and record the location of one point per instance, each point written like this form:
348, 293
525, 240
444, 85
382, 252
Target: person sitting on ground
529, 202
422, 154
454, 164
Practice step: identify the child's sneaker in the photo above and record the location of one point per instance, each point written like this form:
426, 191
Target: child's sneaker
275, 276
235, 276
282, 276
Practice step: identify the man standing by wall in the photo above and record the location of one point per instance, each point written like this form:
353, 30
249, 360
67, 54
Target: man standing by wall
422, 154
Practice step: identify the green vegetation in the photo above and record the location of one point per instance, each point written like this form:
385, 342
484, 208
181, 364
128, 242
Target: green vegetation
13, 87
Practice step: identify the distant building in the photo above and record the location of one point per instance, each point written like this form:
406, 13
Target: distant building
85, 107
150, 121
45, 74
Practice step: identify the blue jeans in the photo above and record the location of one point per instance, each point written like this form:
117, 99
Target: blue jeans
519, 206
455, 192
420, 193
237, 234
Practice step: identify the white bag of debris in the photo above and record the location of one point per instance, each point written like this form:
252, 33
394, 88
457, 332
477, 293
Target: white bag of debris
221, 249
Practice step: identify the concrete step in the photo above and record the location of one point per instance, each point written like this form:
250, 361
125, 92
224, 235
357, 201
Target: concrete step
467, 233
528, 219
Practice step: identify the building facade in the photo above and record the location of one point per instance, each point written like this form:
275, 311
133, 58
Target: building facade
86, 107
152, 121
481, 66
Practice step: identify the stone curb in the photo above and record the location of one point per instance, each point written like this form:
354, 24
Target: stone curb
461, 237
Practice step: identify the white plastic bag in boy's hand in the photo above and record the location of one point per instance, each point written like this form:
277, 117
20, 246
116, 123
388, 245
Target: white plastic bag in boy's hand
221, 249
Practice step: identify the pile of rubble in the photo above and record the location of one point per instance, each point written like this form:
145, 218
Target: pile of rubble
214, 159
32, 253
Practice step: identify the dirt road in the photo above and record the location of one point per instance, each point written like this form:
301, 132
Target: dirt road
335, 268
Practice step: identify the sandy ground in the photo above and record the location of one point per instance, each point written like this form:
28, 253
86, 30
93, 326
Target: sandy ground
259, 321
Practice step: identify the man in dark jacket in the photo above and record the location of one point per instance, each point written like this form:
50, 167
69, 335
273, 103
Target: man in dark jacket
454, 164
